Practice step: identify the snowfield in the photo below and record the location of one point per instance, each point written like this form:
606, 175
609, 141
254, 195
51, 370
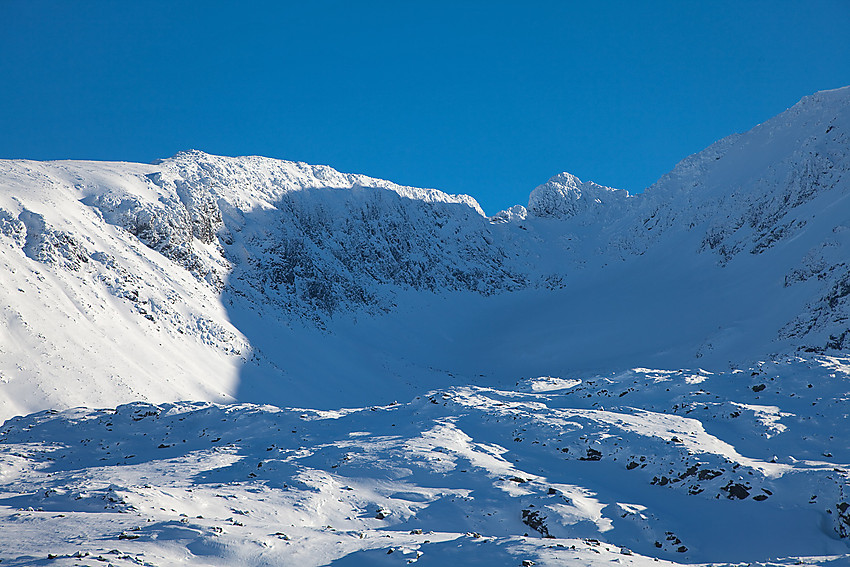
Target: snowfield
687, 466
248, 361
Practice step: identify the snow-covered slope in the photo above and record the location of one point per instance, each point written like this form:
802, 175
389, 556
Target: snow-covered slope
116, 272
90, 314
201, 280
689, 467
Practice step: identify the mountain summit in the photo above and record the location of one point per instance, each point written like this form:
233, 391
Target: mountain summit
564, 195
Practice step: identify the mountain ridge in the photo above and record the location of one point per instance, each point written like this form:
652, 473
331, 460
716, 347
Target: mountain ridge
191, 244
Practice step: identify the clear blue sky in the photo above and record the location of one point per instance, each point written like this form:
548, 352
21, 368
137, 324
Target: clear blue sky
486, 98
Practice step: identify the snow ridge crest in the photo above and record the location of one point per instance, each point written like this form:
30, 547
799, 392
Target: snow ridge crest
248, 181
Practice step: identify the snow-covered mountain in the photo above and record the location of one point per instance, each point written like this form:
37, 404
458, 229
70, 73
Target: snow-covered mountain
263, 281
210, 277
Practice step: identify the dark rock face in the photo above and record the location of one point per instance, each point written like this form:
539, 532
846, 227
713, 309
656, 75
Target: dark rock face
736, 490
708, 474
592, 455
535, 520
843, 519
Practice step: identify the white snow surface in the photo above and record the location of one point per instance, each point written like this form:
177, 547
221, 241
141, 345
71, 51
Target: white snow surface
636, 467
540, 356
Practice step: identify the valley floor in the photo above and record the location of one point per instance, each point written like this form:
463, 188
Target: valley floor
644, 467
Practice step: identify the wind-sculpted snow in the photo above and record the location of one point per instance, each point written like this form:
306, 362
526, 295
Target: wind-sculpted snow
686, 467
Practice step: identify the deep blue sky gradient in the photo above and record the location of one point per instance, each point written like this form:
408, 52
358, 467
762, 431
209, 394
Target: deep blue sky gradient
486, 98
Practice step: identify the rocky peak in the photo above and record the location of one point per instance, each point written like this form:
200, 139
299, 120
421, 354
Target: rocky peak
565, 195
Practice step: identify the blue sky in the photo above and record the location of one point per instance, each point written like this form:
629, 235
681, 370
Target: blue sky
486, 98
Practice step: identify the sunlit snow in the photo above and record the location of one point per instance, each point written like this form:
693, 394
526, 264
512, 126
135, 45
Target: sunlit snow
248, 361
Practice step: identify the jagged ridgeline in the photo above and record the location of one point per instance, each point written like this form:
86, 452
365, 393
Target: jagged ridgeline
317, 241
741, 250
310, 239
